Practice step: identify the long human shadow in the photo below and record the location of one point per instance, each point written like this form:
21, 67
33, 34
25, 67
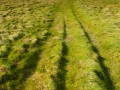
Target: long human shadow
61, 75
106, 77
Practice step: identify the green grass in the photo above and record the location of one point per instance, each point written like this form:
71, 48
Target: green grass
59, 45
81, 59
24, 36
47, 69
104, 36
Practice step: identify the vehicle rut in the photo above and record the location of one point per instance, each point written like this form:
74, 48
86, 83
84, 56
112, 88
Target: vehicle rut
106, 76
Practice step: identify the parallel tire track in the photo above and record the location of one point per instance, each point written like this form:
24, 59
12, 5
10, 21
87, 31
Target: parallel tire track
80, 65
105, 75
48, 69
60, 56
61, 74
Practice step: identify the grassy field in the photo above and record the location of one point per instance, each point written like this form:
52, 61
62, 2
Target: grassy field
59, 45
